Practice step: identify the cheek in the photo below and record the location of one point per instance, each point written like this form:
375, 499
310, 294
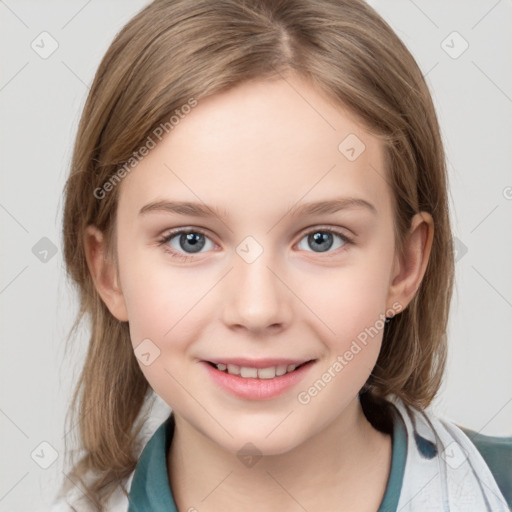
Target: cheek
353, 307
156, 295
350, 302
162, 320
158, 304
348, 299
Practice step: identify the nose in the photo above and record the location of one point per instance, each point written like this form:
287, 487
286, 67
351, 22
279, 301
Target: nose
256, 297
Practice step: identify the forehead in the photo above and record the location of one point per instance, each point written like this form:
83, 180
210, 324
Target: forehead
262, 146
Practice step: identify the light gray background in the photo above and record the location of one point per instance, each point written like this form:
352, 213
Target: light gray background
41, 101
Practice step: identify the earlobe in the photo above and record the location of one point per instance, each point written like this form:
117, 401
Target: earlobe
103, 273
410, 268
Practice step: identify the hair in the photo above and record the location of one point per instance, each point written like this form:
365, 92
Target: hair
175, 50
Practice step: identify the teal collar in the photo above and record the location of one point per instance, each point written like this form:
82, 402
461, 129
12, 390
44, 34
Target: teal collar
150, 490
396, 476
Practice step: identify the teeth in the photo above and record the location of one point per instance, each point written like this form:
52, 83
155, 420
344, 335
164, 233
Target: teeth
266, 373
248, 372
233, 369
281, 369
261, 373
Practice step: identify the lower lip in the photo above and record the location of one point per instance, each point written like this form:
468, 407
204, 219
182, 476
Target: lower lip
257, 389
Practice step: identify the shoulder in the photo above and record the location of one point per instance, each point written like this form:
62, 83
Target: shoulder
497, 453
72, 502
71, 499
436, 446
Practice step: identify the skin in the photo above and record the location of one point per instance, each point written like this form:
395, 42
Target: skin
254, 152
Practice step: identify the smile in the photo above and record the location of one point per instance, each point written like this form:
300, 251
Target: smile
257, 373
249, 383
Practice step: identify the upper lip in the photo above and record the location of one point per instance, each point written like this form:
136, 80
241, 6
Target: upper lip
257, 363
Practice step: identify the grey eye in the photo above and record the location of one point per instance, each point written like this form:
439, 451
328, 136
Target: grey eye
189, 242
322, 240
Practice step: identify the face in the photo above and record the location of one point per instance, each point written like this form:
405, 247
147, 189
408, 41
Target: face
258, 276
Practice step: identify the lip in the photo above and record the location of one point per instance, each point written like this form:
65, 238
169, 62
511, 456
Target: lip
254, 388
257, 363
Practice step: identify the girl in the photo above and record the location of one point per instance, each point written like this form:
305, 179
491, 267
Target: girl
257, 221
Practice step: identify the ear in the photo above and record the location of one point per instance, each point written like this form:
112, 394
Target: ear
409, 269
103, 273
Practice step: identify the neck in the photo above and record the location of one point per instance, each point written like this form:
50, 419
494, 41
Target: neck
343, 467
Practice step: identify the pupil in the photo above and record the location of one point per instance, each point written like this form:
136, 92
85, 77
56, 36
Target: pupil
194, 239
321, 240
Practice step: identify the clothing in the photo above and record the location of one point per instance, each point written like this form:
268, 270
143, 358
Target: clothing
436, 467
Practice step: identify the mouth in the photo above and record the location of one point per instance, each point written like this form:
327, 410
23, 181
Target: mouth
262, 383
260, 372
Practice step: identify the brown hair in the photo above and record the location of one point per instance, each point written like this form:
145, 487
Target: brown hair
174, 50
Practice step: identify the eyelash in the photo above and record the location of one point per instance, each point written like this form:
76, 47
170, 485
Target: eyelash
174, 254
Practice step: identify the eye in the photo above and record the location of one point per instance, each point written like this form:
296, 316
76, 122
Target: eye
322, 239
183, 242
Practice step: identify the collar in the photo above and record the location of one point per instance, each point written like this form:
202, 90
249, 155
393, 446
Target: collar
150, 490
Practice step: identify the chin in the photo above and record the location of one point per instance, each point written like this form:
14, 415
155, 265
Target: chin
258, 443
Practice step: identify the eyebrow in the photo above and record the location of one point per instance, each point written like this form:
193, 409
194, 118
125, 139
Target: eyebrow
313, 208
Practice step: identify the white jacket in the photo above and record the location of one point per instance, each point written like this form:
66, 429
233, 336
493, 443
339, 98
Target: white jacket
453, 477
